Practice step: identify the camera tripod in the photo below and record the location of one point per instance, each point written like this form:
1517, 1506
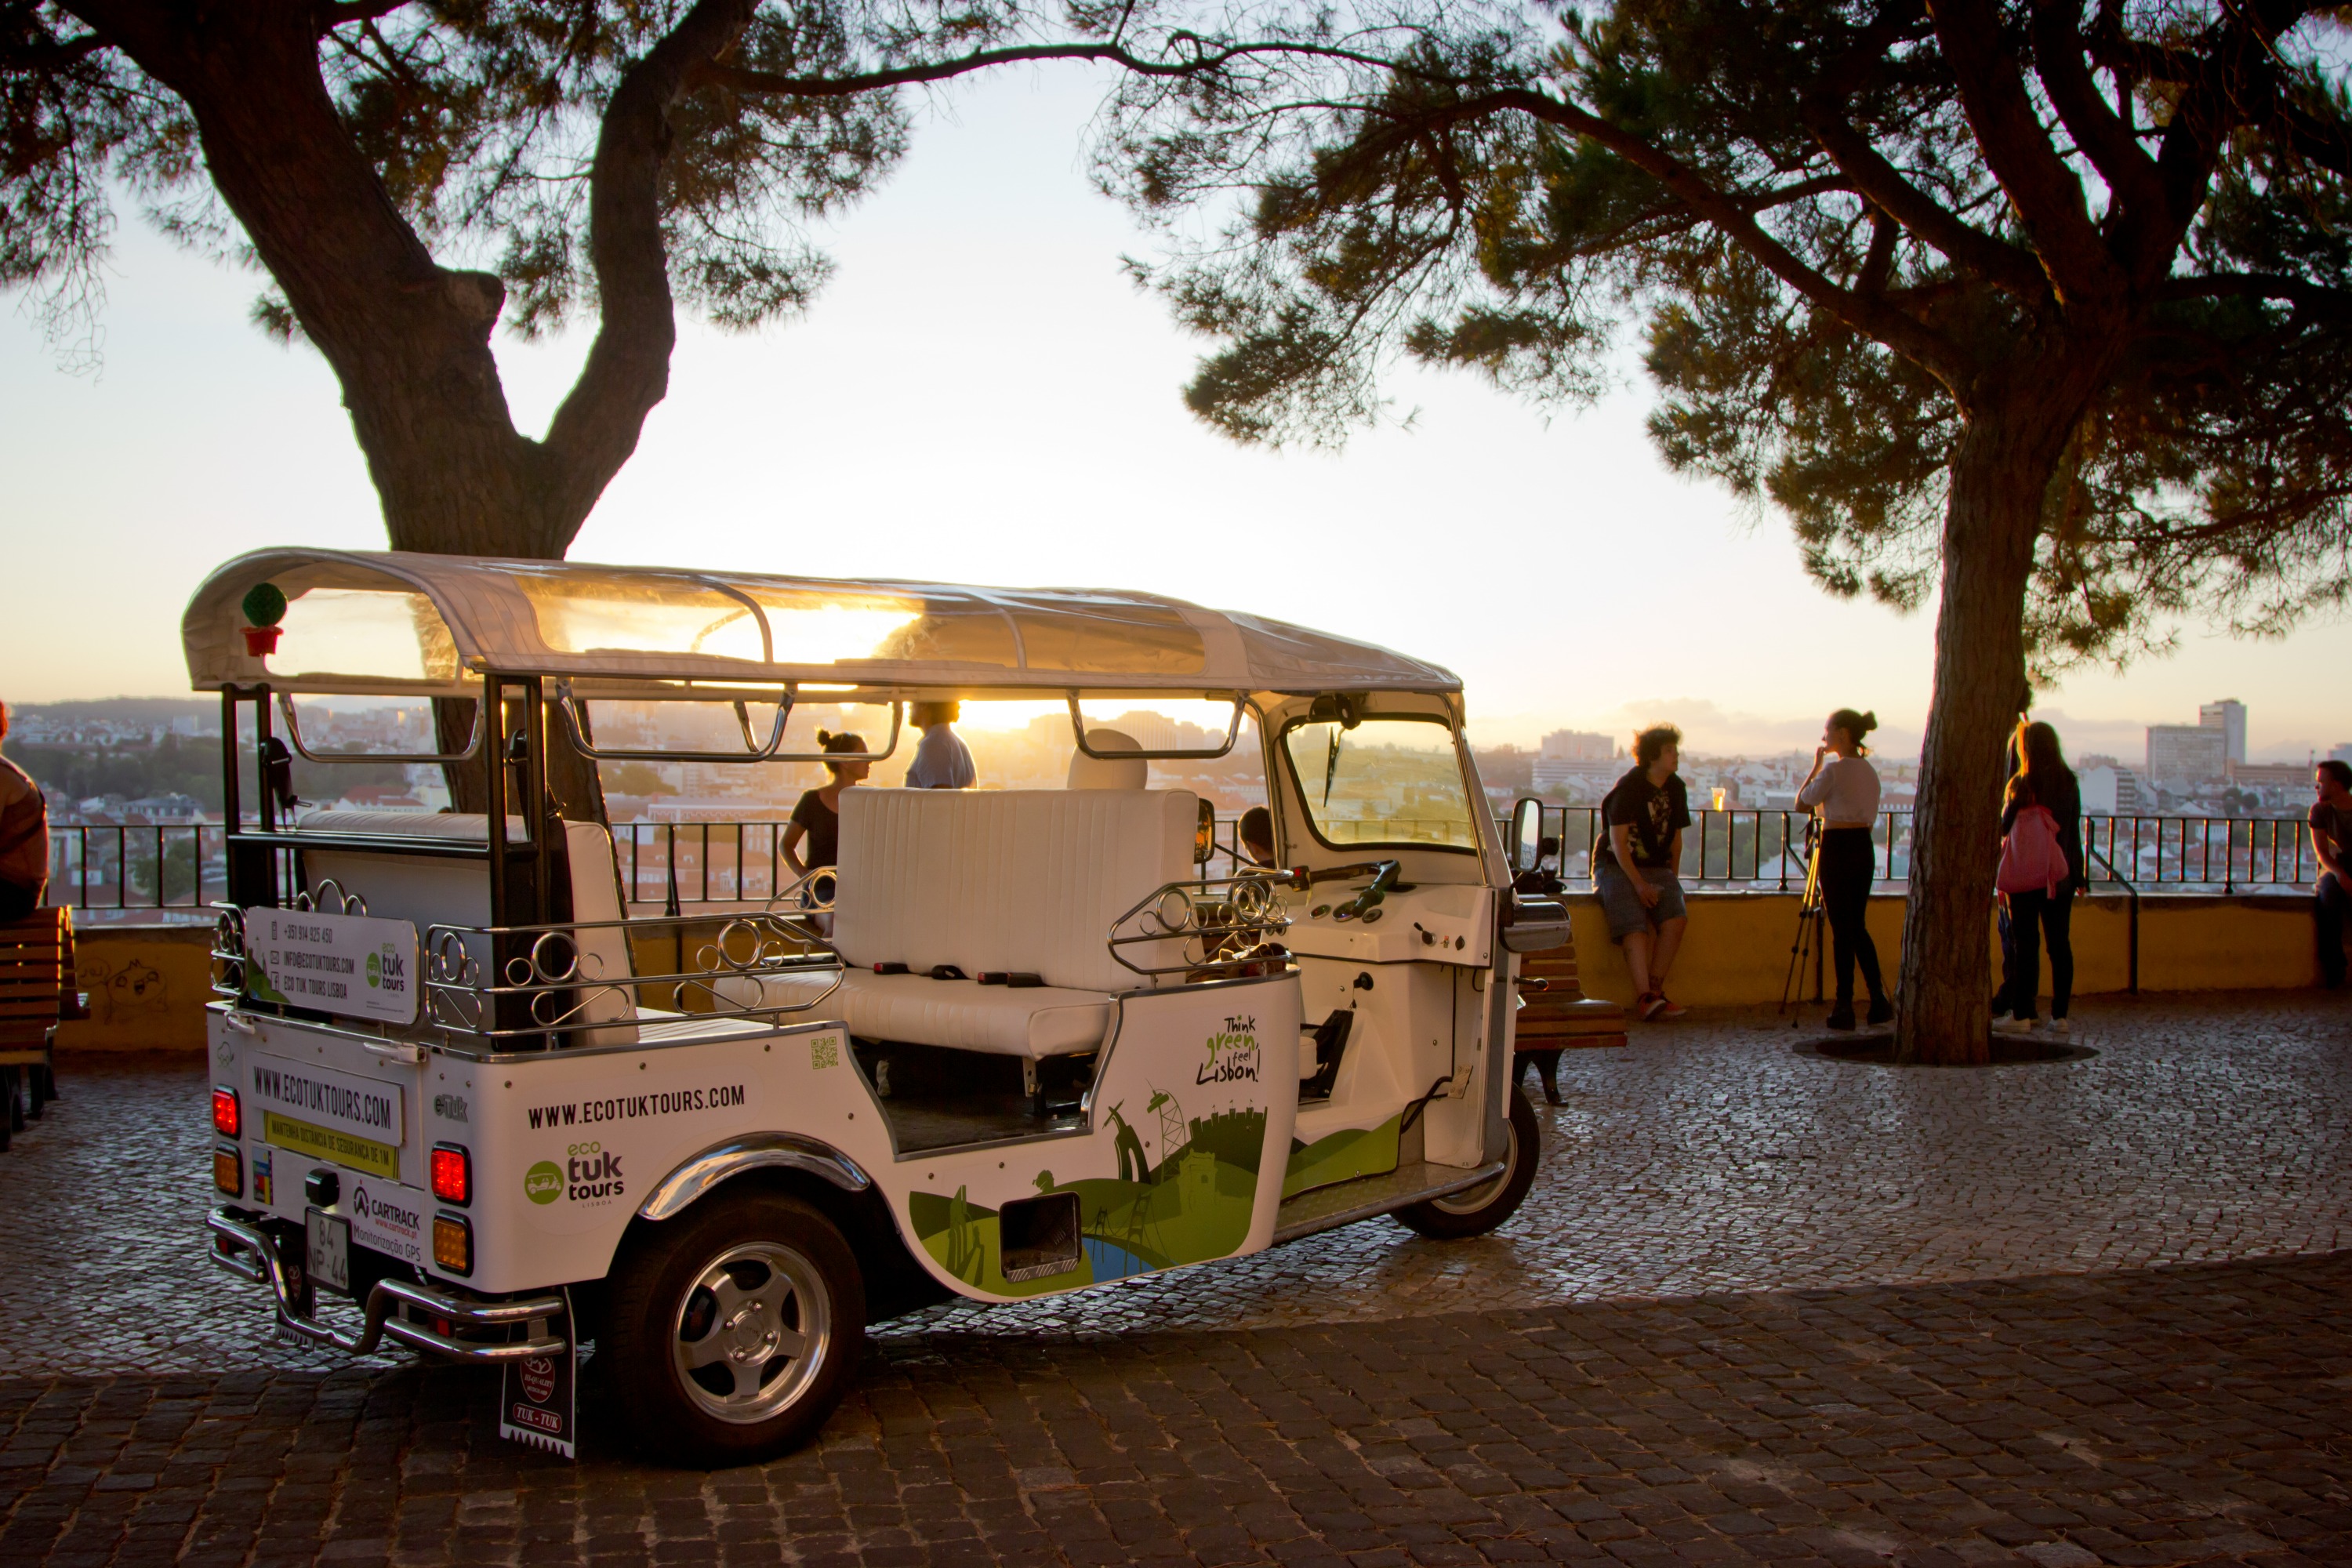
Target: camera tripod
1809, 909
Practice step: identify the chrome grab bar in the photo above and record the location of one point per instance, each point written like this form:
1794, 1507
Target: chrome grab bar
265, 1267
294, 734
1232, 730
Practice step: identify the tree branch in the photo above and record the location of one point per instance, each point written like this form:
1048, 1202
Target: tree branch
1872, 317
332, 17
2047, 194
627, 370
737, 78
2113, 150
1998, 262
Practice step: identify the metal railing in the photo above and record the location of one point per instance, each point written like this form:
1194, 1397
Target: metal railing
1765, 849
181, 866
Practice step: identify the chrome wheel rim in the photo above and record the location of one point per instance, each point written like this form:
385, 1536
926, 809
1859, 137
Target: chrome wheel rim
751, 1331
1472, 1199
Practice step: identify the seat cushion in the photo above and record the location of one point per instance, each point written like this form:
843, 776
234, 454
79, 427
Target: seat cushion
961, 1015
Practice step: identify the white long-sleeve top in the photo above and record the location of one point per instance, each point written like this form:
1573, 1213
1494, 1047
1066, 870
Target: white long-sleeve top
1846, 792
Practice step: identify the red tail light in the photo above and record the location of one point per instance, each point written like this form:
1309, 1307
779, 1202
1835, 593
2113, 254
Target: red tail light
226, 1117
453, 1175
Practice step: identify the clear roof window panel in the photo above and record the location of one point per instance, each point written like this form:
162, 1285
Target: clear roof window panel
1099, 637
639, 611
373, 632
817, 625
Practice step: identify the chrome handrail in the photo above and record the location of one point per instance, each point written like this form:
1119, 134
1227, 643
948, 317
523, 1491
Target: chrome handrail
1214, 935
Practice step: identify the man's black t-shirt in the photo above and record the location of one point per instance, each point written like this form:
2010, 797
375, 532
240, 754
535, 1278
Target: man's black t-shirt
1655, 813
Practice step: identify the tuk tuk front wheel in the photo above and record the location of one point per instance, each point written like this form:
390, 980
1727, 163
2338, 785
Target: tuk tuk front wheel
1479, 1209
734, 1329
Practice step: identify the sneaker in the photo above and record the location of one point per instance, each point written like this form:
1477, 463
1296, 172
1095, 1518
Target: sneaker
1840, 1018
1669, 1008
1880, 1012
2011, 1026
1649, 1005
2058, 1026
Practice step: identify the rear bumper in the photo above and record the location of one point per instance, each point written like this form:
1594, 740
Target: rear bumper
246, 1250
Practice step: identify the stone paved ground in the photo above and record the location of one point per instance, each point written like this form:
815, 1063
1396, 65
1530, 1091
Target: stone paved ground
1584, 1380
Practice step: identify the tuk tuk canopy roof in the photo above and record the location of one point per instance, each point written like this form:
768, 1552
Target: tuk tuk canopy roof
393, 621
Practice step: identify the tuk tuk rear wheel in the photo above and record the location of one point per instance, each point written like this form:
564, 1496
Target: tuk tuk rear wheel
734, 1329
1479, 1209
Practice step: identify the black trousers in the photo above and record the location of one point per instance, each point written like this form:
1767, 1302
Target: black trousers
1849, 862
2031, 918
2330, 905
17, 901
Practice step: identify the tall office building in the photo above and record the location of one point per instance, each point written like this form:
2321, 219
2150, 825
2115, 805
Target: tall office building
2187, 753
2229, 716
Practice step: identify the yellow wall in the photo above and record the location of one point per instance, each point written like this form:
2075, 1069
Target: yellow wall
147, 986
1736, 953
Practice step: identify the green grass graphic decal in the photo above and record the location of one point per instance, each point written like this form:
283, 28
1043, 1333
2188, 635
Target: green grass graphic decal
1341, 1157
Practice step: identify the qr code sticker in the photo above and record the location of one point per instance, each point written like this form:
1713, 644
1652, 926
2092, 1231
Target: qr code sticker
825, 1051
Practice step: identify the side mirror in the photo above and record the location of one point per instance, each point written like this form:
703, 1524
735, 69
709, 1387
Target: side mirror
1204, 835
1527, 844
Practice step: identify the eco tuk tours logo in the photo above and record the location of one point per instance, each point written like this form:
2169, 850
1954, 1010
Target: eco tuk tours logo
588, 1173
387, 970
1232, 1053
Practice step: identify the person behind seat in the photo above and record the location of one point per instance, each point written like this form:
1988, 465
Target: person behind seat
941, 759
1258, 835
816, 819
24, 837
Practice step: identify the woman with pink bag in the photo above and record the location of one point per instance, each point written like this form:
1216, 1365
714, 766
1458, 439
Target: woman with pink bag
2040, 868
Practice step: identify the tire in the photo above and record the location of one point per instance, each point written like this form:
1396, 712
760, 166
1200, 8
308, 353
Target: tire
1480, 1209
695, 1392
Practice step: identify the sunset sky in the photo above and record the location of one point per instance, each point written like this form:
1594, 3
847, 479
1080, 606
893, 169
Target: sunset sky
981, 396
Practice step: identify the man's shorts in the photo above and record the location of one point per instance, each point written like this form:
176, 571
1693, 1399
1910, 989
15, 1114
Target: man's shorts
1623, 905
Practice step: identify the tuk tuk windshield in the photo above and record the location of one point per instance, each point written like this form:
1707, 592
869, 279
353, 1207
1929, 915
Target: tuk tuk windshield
1385, 782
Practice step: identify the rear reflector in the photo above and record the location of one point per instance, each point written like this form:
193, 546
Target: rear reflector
226, 1117
228, 1172
453, 1244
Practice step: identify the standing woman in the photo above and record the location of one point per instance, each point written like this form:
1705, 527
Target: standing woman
816, 819
1842, 790
2043, 779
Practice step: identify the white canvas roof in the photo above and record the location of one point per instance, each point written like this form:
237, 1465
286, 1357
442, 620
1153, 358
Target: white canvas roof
384, 621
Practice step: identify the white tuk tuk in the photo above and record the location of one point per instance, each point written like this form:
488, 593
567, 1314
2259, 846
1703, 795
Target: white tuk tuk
1014, 1042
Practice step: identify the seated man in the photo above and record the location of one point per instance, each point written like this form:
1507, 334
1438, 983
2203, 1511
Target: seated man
1258, 835
2331, 840
1634, 867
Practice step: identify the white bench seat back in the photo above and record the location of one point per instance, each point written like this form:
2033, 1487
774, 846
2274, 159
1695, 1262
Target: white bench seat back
1023, 881
430, 890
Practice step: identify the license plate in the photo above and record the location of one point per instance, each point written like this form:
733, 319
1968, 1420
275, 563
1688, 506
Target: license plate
331, 1250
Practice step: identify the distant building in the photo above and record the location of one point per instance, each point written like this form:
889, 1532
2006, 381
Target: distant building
2343, 753
2270, 775
1578, 745
2229, 716
2187, 753
2111, 790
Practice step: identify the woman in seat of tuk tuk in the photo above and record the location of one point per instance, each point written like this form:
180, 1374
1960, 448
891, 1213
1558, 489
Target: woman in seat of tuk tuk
816, 818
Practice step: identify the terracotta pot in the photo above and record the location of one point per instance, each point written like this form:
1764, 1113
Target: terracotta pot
260, 641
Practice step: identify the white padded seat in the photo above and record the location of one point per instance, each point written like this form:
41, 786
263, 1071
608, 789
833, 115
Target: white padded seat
963, 1014
1027, 882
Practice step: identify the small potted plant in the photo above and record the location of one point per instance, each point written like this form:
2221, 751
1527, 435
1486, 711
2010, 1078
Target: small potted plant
265, 606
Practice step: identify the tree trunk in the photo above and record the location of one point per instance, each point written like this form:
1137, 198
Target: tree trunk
2008, 453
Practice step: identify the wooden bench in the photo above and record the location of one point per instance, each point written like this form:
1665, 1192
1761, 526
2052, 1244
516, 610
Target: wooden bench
1559, 1017
36, 995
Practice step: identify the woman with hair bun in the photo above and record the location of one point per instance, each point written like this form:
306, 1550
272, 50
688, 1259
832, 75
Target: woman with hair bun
816, 819
1843, 792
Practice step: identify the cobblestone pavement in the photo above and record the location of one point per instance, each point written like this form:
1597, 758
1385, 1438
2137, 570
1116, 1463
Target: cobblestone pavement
1759, 1306
2150, 1416
1705, 1157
